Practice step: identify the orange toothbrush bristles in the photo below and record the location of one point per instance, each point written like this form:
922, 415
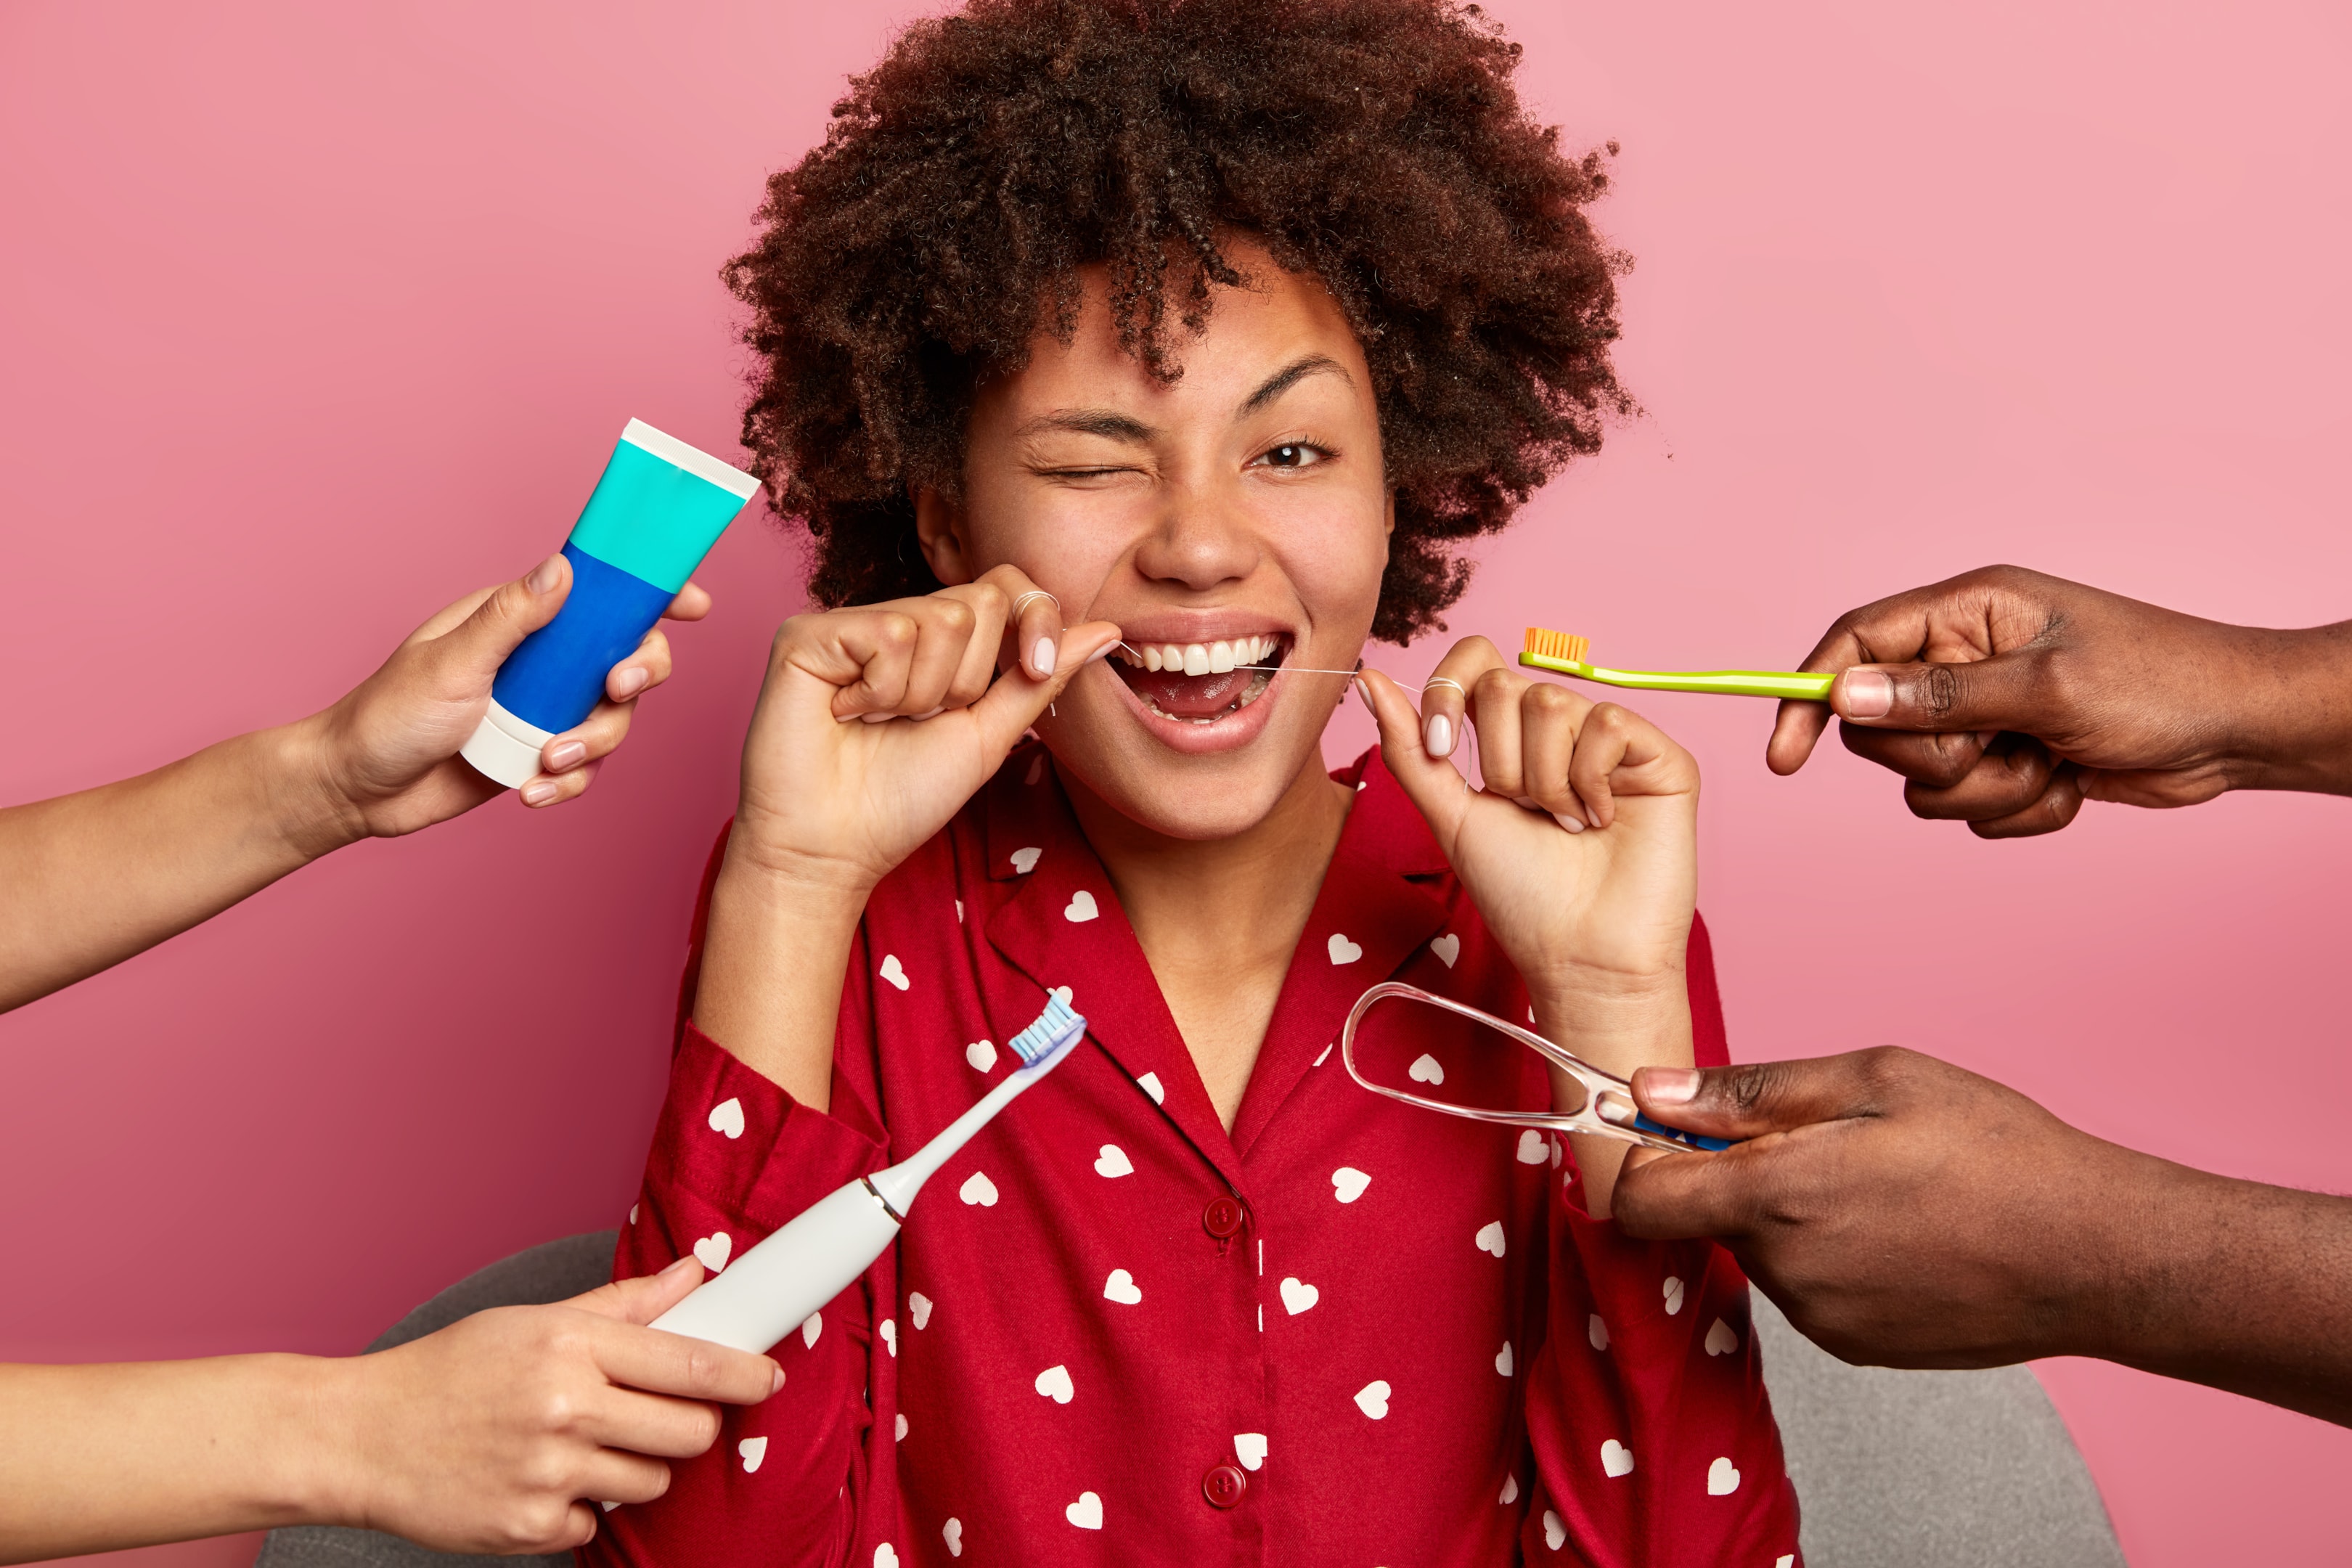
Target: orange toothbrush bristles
1547, 644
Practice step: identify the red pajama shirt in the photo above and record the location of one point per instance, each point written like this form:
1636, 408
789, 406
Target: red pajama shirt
1350, 1332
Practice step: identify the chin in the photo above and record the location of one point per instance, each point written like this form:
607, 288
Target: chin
1211, 763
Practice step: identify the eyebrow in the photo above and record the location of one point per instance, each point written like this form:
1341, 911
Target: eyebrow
1290, 375
1105, 422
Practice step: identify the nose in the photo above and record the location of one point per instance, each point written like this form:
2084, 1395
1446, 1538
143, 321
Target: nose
1201, 539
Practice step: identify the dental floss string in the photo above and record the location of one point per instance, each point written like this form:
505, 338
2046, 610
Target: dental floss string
1271, 668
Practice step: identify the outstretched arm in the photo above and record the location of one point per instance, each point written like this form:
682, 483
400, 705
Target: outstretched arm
1904, 1212
480, 1438
2006, 698
88, 879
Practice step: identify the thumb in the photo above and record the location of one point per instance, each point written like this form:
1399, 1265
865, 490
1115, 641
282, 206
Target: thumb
2002, 692
1432, 784
643, 1299
1751, 1098
482, 642
1018, 698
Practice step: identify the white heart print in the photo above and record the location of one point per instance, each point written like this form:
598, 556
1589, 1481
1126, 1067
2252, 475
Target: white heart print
811, 1327
1722, 1479
919, 1307
1249, 1447
1598, 1332
1080, 909
1325, 1057
1149, 1084
1674, 1293
1348, 1184
980, 1054
978, 1189
1064, 993
1121, 1288
1490, 1237
952, 1533
1555, 1532
1113, 1161
1424, 1069
753, 1450
888, 1328
1616, 1460
1447, 947
714, 1250
1024, 860
1534, 1148
1297, 1296
1722, 1339
893, 971
1054, 1384
1342, 951
1503, 1361
1087, 1512
886, 1556
1510, 1490
727, 1117
633, 1214
902, 1426
1372, 1399
1037, 768
1785, 1560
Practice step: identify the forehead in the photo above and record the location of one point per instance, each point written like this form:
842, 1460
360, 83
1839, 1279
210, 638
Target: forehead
1275, 320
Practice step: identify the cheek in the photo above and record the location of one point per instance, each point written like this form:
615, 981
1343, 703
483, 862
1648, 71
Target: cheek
1334, 553
1066, 542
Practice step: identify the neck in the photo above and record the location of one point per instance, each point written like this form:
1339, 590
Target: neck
1218, 919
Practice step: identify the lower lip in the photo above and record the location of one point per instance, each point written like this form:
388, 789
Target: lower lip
1233, 730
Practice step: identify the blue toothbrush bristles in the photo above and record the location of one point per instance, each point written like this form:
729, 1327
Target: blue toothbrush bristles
1054, 1025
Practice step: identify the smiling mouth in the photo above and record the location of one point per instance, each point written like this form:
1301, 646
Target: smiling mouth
1199, 683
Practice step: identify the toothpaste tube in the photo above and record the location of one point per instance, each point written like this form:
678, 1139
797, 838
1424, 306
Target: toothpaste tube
655, 514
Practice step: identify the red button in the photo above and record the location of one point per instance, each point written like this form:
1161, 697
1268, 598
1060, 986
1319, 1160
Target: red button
1223, 1219
1224, 1486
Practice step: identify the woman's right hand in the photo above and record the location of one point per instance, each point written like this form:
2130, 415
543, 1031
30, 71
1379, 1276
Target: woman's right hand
877, 722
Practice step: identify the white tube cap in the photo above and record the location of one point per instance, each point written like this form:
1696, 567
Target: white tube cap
505, 748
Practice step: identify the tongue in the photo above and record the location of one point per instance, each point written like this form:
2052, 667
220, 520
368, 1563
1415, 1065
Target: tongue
1189, 696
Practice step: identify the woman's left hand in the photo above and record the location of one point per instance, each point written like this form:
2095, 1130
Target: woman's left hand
1580, 847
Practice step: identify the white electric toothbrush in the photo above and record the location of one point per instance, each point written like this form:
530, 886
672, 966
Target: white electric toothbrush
770, 1290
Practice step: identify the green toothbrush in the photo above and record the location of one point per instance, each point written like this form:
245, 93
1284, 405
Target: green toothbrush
1564, 654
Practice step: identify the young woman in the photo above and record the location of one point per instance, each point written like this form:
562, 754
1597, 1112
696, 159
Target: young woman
1131, 364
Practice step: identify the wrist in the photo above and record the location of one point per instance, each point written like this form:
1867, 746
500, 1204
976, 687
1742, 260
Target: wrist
313, 811
1618, 1020
2296, 731
299, 1468
758, 870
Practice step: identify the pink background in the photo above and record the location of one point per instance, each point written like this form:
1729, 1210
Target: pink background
314, 317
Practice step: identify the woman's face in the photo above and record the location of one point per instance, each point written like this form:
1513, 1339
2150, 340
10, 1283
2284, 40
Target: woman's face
1237, 516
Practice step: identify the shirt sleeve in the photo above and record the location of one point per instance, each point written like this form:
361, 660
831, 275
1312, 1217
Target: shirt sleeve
733, 1158
1653, 1436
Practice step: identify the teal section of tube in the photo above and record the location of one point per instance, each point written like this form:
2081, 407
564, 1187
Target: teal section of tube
651, 519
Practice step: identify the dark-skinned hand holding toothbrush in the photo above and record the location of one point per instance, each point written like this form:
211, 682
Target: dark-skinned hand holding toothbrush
1904, 1212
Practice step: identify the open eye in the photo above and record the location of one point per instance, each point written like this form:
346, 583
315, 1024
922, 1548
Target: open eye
1292, 455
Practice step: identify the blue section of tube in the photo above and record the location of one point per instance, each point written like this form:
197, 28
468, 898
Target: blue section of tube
1696, 1140
557, 676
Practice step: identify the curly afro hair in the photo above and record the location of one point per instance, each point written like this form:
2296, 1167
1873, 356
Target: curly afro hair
1375, 144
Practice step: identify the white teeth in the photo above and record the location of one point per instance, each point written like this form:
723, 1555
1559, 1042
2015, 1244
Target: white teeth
1171, 657
1151, 657
1196, 659
1221, 659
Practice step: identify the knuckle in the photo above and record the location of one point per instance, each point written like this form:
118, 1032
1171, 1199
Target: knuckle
896, 631
1939, 690
1747, 1087
957, 616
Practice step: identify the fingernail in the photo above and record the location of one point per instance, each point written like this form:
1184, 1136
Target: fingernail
1572, 824
1669, 1086
567, 755
1437, 735
1869, 693
778, 1384
674, 1266
1041, 657
629, 682
545, 576
1101, 653
538, 792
